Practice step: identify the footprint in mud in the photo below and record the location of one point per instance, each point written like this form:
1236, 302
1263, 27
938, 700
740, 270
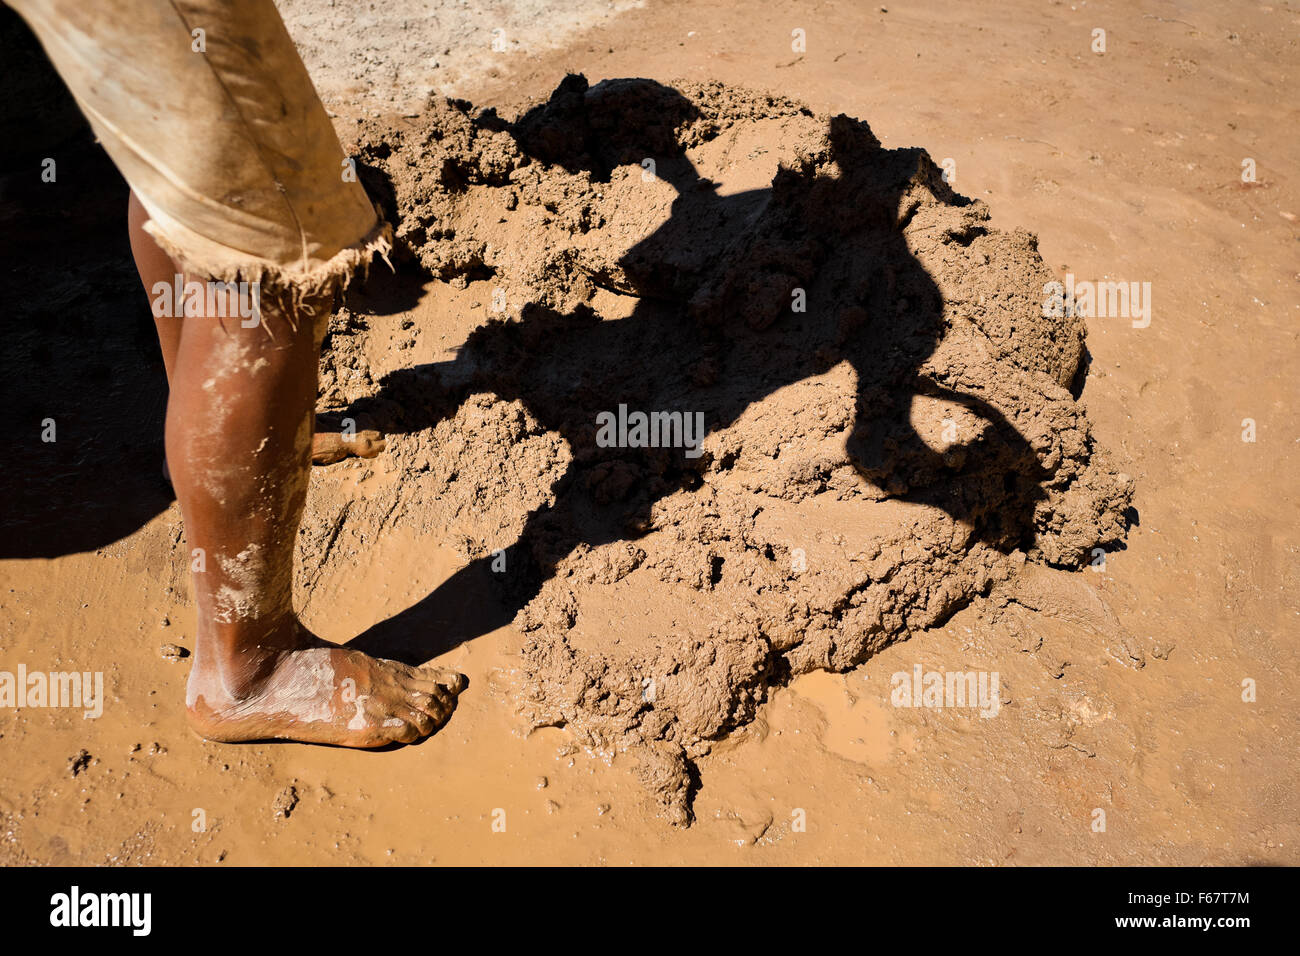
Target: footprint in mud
746, 824
856, 727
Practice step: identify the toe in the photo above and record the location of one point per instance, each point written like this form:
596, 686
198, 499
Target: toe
409, 732
436, 708
453, 681
369, 444
422, 722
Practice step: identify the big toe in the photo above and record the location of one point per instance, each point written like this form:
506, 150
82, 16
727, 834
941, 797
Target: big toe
447, 679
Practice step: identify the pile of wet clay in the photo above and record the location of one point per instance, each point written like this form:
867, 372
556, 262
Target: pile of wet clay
887, 421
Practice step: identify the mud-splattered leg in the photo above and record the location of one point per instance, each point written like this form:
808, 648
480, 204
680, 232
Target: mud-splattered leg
239, 437
330, 444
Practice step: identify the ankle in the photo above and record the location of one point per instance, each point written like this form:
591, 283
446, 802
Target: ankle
243, 655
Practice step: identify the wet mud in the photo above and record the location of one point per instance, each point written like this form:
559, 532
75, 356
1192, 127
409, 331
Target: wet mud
890, 421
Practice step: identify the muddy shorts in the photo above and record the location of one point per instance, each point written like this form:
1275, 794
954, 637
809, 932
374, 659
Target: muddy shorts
209, 114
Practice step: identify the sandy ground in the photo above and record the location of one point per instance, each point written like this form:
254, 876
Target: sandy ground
1126, 164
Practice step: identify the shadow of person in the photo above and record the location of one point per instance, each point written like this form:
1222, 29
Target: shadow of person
81, 375
712, 332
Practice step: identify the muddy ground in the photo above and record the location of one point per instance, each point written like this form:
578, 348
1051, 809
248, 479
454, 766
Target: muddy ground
914, 471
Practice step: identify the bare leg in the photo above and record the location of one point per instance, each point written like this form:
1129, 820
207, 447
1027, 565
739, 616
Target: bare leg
329, 445
154, 266
239, 427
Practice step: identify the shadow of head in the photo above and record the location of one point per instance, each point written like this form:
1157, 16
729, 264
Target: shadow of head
625, 122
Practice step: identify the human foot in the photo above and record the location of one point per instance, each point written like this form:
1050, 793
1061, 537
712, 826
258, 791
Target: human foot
323, 693
329, 445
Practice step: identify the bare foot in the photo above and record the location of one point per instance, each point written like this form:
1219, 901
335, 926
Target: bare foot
327, 446
323, 693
